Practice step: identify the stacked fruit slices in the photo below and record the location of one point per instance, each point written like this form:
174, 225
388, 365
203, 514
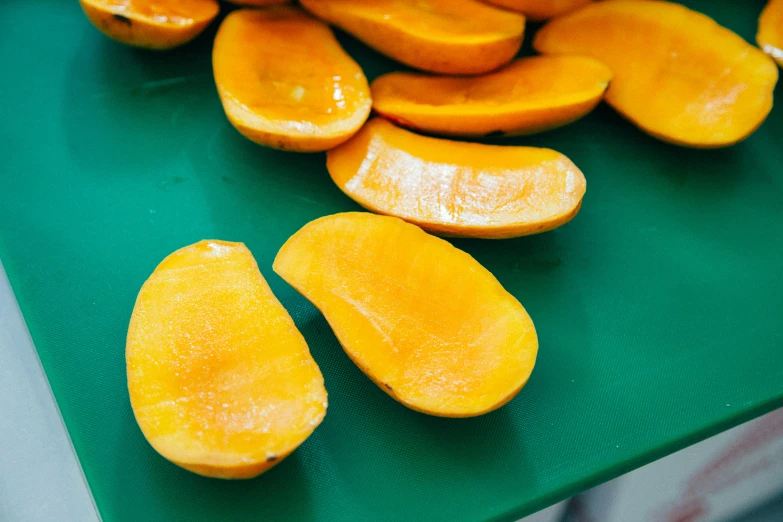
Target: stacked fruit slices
220, 380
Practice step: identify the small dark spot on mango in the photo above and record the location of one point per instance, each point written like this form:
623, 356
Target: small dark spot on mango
494, 134
388, 386
123, 19
271, 458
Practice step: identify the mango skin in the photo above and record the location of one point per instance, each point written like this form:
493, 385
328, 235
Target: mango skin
143, 32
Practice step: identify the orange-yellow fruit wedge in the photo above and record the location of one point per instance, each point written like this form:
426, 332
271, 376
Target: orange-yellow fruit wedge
678, 75
444, 36
285, 82
424, 320
770, 35
527, 96
457, 189
538, 10
259, 3
221, 382
151, 24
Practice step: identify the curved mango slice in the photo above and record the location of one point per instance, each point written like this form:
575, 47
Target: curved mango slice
528, 96
151, 24
678, 75
220, 380
770, 35
457, 189
424, 320
259, 3
301, 93
444, 36
538, 10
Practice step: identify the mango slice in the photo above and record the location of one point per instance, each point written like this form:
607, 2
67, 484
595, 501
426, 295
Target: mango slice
424, 320
220, 380
303, 94
259, 3
529, 95
538, 10
444, 36
678, 75
149, 23
770, 35
457, 189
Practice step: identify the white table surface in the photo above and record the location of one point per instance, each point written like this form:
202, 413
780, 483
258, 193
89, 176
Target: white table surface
40, 477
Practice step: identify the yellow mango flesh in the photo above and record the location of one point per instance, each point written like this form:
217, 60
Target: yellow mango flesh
444, 36
455, 188
540, 9
424, 320
221, 382
151, 24
770, 34
302, 93
259, 3
678, 75
527, 96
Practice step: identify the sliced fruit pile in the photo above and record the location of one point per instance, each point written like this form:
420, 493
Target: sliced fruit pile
220, 380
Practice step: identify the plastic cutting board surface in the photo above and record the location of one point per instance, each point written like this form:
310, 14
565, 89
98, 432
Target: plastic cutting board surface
659, 309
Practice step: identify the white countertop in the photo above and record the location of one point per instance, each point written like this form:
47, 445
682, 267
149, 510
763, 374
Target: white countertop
40, 477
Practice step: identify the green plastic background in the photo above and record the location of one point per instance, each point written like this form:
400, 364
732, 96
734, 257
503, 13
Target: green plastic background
659, 308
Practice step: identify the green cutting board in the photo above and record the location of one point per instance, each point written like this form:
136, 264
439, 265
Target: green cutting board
659, 307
